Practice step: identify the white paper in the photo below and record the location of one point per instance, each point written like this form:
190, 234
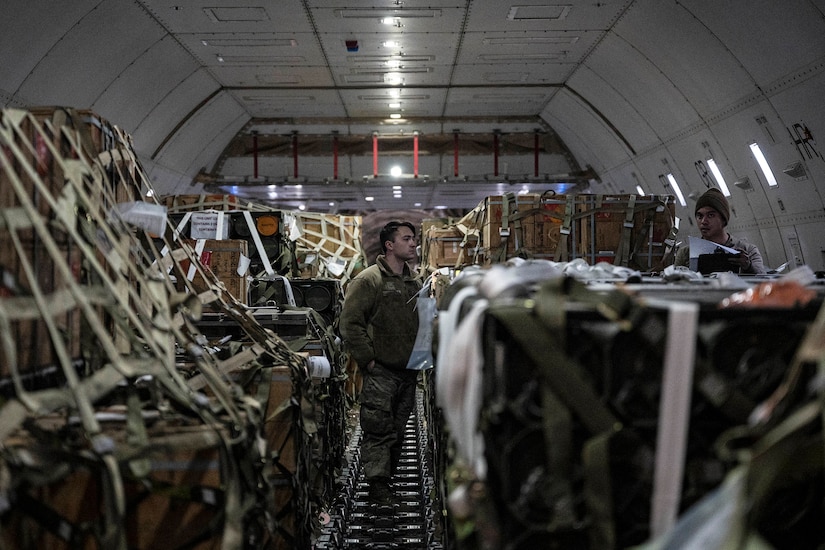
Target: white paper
243, 265
702, 246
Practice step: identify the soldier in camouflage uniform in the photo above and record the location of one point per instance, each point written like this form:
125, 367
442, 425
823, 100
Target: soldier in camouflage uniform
379, 325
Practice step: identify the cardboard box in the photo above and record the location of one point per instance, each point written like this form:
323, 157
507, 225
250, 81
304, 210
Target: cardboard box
222, 257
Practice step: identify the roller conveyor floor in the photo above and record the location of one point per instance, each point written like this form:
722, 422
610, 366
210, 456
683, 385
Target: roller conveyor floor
413, 521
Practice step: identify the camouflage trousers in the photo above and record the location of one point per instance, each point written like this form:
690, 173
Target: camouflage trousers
387, 399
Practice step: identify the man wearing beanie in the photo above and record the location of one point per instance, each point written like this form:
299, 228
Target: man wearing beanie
712, 214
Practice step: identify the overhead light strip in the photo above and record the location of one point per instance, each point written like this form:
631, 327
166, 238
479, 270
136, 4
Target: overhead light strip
529, 40
763, 164
381, 14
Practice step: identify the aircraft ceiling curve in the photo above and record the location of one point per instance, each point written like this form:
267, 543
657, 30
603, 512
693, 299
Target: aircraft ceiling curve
618, 94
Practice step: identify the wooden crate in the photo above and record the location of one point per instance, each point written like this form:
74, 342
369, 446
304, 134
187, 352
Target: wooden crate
527, 225
172, 506
443, 246
626, 229
222, 257
188, 203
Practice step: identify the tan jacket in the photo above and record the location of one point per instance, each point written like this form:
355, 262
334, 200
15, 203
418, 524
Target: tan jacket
750, 250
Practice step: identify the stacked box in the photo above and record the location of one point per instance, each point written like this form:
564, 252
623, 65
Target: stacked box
335, 235
222, 258
533, 224
444, 247
187, 203
330, 245
178, 495
623, 229
35, 151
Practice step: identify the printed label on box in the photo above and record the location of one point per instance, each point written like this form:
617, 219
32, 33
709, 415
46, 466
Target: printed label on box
204, 225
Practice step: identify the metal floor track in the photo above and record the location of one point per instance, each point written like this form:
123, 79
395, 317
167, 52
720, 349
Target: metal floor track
412, 522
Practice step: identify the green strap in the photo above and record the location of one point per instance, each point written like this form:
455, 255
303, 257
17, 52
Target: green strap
598, 490
504, 229
562, 254
546, 349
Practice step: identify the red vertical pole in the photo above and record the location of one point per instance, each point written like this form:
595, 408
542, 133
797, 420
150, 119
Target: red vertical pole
335, 157
495, 154
375, 155
415, 155
255, 154
455, 154
295, 153
536, 154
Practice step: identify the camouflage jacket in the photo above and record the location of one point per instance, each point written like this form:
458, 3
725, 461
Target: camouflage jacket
379, 320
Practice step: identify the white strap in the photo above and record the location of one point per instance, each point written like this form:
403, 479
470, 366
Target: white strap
258, 244
674, 415
219, 228
198, 252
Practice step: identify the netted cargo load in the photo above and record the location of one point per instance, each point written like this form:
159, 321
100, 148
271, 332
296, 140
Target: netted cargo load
123, 423
627, 230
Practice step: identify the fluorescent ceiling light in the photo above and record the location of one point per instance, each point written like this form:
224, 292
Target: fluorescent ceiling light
396, 186
530, 40
640, 191
392, 14
369, 199
676, 189
717, 175
395, 116
395, 105
390, 44
763, 164
395, 171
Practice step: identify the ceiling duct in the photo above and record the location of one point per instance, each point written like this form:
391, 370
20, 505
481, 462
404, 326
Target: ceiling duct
796, 170
744, 184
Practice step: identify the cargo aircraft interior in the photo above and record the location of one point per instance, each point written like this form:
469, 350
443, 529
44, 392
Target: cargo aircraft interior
619, 207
